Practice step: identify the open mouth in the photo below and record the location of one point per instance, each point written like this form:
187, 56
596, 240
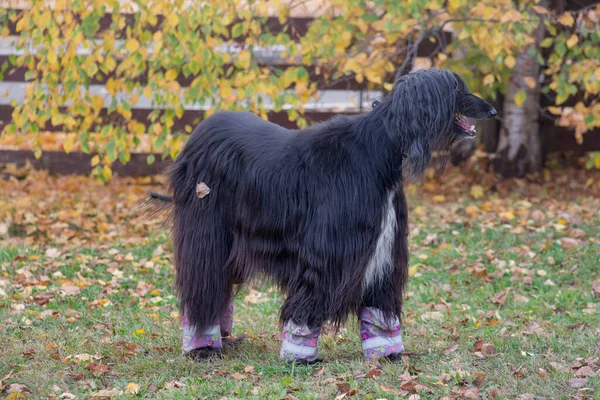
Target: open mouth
464, 124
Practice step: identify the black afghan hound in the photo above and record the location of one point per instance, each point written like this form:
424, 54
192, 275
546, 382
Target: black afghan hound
320, 212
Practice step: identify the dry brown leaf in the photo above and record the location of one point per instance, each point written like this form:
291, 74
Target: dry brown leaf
596, 288
578, 382
173, 385
373, 372
500, 298
478, 345
495, 394
451, 349
237, 376
433, 316
520, 299
584, 372
534, 328
249, 369
568, 243
471, 393
343, 387
106, 393
202, 190
408, 386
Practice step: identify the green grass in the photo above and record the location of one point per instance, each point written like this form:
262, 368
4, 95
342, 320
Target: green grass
125, 317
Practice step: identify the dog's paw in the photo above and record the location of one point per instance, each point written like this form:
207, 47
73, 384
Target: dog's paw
233, 341
204, 353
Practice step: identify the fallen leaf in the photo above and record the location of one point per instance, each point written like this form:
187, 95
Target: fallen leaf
237, 376
202, 190
478, 345
343, 387
106, 393
542, 373
17, 388
559, 367
249, 369
500, 298
173, 385
43, 298
596, 288
432, 316
471, 393
578, 233
534, 328
373, 372
584, 372
70, 290
495, 394
52, 252
520, 299
450, 349
408, 386
132, 388
568, 243
477, 192
578, 382
526, 396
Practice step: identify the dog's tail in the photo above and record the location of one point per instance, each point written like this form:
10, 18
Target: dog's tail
156, 204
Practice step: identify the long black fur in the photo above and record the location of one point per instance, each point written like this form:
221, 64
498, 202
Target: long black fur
304, 208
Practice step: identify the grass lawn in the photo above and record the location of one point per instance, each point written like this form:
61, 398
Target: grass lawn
501, 303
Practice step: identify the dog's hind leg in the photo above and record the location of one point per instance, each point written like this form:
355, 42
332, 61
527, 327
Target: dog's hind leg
303, 314
202, 243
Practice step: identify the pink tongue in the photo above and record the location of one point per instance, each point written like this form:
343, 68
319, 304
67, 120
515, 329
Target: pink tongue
464, 124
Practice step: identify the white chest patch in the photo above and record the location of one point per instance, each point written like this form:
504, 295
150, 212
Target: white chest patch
381, 261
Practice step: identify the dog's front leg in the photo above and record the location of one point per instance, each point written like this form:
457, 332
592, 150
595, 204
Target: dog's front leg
380, 337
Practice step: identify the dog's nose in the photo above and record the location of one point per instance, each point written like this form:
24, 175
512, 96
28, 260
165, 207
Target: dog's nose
493, 112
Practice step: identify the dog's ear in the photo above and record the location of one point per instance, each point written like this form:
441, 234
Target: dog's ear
417, 157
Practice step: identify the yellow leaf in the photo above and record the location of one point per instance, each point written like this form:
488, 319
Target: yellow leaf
97, 102
562, 222
489, 79
132, 45
529, 81
566, 19
412, 270
140, 331
555, 110
148, 92
172, 20
507, 215
106, 172
472, 209
477, 191
95, 160
244, 59
52, 59
132, 388
573, 40
68, 143
510, 62
171, 74
440, 198
110, 63
520, 98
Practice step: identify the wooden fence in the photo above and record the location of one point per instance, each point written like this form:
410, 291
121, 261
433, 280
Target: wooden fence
341, 97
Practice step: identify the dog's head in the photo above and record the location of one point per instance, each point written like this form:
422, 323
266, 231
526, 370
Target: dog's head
430, 110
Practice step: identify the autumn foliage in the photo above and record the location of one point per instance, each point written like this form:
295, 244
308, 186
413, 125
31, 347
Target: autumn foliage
219, 48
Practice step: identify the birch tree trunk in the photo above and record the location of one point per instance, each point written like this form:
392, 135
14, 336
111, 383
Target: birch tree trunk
519, 149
